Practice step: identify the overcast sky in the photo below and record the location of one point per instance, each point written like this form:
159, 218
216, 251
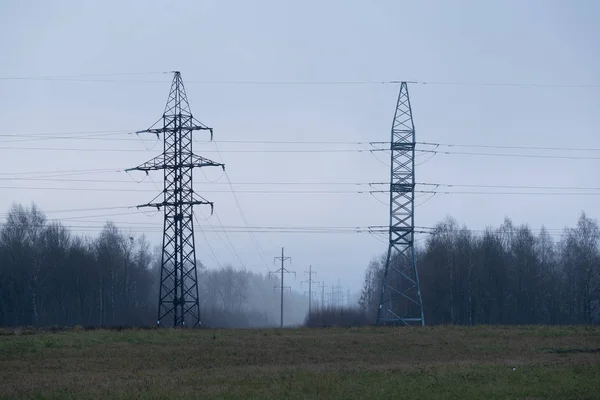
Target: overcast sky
439, 42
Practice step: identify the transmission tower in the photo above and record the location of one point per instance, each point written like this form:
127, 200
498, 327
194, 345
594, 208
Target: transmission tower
310, 282
178, 293
348, 296
333, 296
323, 286
400, 293
282, 270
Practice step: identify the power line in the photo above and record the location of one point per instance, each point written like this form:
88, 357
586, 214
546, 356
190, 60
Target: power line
373, 230
365, 150
306, 192
232, 247
64, 171
292, 183
92, 189
95, 135
145, 230
463, 153
82, 78
211, 183
510, 147
68, 135
69, 210
50, 77
273, 142
79, 218
212, 252
239, 207
228, 239
512, 193
511, 186
98, 225
102, 135
89, 149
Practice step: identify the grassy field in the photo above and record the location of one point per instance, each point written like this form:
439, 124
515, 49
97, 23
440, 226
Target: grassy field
424, 363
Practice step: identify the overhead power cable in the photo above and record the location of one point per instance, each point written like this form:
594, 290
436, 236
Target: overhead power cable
365, 150
64, 171
73, 210
462, 153
82, 75
512, 193
157, 229
71, 134
87, 78
292, 183
276, 151
489, 146
109, 135
52, 188
510, 186
239, 207
373, 229
212, 252
201, 182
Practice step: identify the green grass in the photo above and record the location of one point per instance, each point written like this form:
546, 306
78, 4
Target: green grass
450, 362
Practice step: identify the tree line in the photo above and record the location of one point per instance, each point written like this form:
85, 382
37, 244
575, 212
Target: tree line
507, 275
51, 277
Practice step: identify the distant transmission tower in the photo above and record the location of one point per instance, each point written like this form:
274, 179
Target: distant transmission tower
178, 293
282, 270
310, 291
400, 293
323, 286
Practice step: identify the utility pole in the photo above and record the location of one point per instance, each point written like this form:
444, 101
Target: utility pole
333, 301
336, 295
310, 282
348, 296
323, 286
178, 289
400, 302
282, 270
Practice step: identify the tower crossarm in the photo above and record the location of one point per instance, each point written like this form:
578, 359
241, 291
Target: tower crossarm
158, 205
158, 163
167, 129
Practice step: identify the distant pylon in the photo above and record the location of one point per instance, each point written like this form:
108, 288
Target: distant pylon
400, 302
178, 292
323, 286
282, 271
310, 292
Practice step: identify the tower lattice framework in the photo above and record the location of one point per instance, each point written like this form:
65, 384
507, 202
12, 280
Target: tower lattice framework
400, 293
178, 293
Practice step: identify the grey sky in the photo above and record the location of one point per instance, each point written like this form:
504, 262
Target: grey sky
434, 41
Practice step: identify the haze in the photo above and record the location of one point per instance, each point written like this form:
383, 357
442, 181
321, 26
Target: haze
218, 43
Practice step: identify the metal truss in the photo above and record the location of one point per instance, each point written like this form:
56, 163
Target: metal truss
400, 293
178, 293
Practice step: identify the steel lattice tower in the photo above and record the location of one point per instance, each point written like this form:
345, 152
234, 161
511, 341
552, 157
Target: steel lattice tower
178, 293
400, 293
